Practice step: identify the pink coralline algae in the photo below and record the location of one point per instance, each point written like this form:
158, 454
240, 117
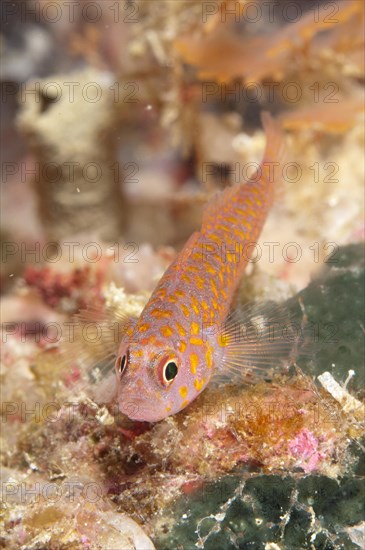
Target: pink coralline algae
305, 447
79, 287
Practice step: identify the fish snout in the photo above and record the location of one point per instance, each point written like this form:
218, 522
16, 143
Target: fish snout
139, 409
139, 401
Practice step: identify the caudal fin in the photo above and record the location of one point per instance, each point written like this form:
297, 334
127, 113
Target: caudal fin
269, 174
275, 150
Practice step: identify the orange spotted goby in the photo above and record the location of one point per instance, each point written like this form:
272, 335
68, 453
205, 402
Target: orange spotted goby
176, 346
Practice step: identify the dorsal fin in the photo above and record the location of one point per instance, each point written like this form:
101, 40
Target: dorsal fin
188, 247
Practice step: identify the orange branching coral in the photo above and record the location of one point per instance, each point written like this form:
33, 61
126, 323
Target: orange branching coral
223, 56
346, 42
327, 117
227, 6
313, 23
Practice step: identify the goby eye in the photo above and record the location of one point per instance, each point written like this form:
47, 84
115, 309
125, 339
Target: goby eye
167, 371
122, 363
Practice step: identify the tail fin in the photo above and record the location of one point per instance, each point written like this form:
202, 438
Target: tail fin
269, 171
275, 150
275, 154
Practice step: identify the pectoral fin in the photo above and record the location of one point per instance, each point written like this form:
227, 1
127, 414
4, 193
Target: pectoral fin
260, 337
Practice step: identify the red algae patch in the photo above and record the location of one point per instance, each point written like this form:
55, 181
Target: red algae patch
288, 426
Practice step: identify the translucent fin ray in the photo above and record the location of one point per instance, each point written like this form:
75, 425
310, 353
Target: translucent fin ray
258, 337
91, 347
